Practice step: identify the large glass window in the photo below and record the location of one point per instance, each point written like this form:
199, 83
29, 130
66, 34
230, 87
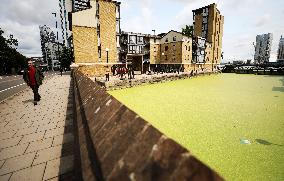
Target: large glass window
132, 39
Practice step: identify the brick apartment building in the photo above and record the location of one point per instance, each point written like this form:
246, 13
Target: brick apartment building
96, 36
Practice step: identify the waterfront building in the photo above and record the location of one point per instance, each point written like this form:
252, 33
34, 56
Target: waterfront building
96, 35
263, 48
208, 23
173, 48
280, 55
135, 48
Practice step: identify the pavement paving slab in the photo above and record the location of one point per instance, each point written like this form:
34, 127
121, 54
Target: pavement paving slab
33, 138
5, 177
13, 151
58, 167
33, 173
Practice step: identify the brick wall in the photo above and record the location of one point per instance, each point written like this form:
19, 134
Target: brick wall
85, 43
187, 52
155, 53
96, 70
173, 54
107, 19
116, 144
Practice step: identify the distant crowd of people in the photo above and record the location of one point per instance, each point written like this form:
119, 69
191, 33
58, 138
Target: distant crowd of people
121, 71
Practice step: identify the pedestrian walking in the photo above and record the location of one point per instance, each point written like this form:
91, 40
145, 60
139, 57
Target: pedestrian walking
33, 77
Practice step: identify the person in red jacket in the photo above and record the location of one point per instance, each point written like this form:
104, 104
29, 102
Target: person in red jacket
33, 77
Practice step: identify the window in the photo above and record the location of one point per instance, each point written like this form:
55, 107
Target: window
189, 48
140, 39
174, 38
166, 48
100, 52
132, 39
167, 40
174, 47
166, 57
185, 47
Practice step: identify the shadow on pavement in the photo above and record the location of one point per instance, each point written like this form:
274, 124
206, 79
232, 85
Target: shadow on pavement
69, 148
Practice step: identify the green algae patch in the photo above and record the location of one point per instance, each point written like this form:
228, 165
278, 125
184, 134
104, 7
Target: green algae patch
233, 123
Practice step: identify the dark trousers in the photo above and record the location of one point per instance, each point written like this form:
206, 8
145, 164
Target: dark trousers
35, 91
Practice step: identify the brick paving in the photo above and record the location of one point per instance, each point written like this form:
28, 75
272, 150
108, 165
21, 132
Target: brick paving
37, 142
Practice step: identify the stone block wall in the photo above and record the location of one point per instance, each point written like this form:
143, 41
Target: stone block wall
155, 53
85, 43
187, 52
107, 19
96, 70
173, 55
117, 144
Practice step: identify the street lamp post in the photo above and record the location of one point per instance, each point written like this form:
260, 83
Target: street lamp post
107, 50
107, 71
57, 53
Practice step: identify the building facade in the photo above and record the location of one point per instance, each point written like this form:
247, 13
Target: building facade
135, 48
263, 48
50, 48
280, 53
173, 48
208, 24
96, 34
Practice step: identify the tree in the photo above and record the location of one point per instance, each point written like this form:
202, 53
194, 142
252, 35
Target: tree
188, 30
66, 57
10, 58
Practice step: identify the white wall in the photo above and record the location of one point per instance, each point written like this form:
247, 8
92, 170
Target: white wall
85, 18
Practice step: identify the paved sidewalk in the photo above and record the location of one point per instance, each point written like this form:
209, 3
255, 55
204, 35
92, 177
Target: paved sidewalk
36, 142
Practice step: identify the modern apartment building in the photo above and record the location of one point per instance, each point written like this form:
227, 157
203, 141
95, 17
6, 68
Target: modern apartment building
263, 48
280, 53
208, 24
96, 34
135, 48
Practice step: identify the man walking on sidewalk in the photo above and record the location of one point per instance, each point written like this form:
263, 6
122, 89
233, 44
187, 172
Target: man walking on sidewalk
33, 77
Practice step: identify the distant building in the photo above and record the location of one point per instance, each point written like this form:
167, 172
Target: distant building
280, 55
208, 23
262, 48
173, 49
198, 53
50, 48
135, 48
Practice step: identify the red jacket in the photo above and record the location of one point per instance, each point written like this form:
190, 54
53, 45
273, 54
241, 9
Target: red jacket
31, 75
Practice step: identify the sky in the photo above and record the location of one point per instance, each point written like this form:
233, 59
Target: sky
244, 19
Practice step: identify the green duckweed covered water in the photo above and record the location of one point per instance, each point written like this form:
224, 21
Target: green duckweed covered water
209, 115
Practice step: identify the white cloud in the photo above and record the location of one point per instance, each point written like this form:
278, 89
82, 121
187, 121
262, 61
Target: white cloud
266, 18
243, 20
22, 19
142, 20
